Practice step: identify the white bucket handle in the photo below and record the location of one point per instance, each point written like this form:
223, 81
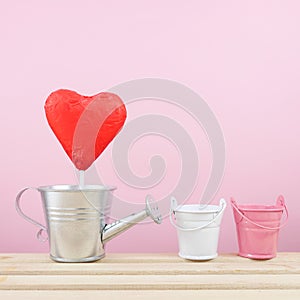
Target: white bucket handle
280, 200
172, 211
21, 213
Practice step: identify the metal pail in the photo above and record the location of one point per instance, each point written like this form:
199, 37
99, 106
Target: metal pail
75, 218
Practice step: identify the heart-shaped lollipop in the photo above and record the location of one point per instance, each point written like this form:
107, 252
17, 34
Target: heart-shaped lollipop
84, 125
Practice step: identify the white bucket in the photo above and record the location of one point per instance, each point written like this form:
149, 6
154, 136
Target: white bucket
198, 229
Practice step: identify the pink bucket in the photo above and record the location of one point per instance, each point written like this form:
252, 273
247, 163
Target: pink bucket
257, 228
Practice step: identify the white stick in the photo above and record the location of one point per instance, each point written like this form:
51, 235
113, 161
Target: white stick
81, 178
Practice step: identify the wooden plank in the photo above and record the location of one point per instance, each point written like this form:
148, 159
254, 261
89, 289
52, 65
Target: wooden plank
147, 269
150, 295
149, 282
135, 264
288, 257
144, 276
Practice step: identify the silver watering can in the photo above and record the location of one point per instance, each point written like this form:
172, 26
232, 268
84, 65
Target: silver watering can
76, 219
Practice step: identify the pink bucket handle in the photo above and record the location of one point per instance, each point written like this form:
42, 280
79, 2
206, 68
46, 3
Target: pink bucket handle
280, 201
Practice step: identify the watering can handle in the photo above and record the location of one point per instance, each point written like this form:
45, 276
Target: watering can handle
172, 211
21, 213
280, 200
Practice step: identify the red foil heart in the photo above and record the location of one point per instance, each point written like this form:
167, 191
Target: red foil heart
84, 125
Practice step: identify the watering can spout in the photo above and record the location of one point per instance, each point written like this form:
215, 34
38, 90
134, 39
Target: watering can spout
112, 230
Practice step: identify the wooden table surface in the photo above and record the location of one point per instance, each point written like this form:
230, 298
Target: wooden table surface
150, 276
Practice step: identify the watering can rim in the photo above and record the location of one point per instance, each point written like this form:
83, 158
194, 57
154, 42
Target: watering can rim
75, 188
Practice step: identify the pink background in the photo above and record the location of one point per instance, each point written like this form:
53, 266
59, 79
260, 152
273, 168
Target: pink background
242, 57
